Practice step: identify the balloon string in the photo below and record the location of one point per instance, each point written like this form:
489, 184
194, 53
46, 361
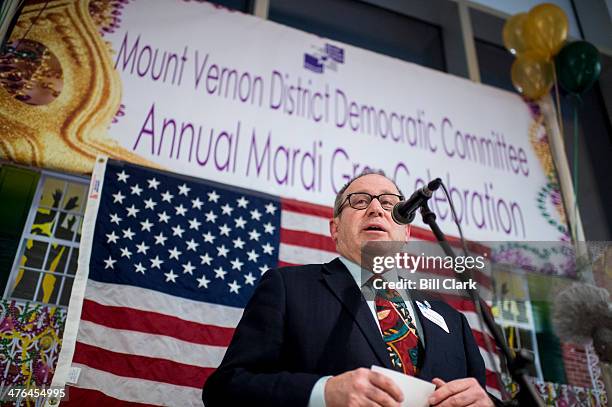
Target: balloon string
575, 175
559, 115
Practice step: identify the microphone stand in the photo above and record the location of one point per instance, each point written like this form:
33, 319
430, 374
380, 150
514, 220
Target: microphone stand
517, 365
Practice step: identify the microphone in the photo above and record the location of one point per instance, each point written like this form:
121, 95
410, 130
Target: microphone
404, 212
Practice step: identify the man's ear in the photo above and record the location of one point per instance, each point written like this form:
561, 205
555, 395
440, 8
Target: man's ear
333, 229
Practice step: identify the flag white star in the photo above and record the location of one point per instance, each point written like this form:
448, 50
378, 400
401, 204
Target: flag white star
249, 279
227, 209
112, 237
203, 282
222, 251
170, 276
128, 234
115, 218
254, 235
180, 210
208, 237
237, 264
118, 197
234, 287
174, 253
224, 230
255, 214
194, 224
267, 248
142, 248
156, 262
211, 217
263, 269
253, 256
268, 228
150, 203
220, 273
213, 196
184, 189
167, 196
163, 217
146, 225
136, 190
270, 208
188, 268
139, 268
160, 239
196, 203
153, 183
109, 263
206, 259
238, 243
122, 177
125, 252
177, 231
240, 222
242, 202
192, 245
132, 211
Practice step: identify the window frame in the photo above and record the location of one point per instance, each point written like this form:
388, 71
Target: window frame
28, 235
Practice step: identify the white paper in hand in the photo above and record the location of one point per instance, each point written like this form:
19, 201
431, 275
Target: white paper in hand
416, 391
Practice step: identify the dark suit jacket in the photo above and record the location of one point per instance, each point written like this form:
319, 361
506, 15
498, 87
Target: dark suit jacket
306, 322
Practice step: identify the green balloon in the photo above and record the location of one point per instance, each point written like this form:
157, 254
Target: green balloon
578, 66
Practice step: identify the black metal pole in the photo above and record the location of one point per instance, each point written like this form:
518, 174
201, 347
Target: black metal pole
527, 395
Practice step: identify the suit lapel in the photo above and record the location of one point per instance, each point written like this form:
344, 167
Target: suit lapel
433, 355
343, 286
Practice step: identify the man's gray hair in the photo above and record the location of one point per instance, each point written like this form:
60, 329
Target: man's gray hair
340, 195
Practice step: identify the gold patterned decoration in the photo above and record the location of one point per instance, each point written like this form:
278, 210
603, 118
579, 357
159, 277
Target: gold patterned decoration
59, 90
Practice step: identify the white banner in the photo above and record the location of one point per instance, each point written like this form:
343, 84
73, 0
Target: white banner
244, 101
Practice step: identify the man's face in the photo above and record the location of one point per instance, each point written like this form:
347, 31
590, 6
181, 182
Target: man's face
353, 227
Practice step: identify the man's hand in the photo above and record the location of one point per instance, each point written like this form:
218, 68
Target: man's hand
460, 392
362, 387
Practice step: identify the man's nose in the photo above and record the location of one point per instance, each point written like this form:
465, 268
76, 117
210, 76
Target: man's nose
375, 208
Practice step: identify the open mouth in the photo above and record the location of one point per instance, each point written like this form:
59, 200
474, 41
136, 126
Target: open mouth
374, 228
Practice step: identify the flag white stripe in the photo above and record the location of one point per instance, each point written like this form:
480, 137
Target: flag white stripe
154, 301
303, 255
494, 392
138, 390
154, 346
305, 223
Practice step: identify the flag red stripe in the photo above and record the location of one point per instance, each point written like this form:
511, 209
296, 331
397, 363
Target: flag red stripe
307, 208
480, 340
155, 323
141, 367
491, 380
307, 239
79, 397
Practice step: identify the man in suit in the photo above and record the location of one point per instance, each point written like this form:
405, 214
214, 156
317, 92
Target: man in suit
308, 336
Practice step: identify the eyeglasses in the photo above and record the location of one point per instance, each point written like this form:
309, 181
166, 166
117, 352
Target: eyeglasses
361, 200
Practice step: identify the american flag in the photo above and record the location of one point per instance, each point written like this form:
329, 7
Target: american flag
171, 263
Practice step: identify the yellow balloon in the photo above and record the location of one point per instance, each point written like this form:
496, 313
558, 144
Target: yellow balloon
532, 74
546, 29
514, 34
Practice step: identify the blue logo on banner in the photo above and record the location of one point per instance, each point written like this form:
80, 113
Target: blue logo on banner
327, 57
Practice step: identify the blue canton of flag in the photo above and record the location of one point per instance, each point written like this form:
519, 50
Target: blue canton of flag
182, 236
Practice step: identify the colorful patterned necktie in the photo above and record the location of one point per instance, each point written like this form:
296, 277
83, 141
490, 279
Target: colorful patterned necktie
399, 331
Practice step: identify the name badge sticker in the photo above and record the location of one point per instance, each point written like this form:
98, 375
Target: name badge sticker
433, 316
